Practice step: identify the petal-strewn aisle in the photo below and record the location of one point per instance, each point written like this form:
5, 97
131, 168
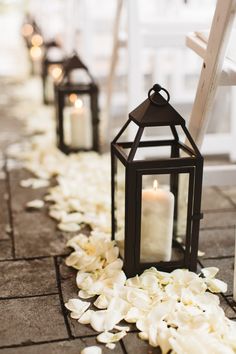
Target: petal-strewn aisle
174, 311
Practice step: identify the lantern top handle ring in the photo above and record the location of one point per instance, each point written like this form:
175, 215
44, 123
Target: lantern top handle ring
157, 88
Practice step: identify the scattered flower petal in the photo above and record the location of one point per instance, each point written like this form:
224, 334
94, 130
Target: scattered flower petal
91, 350
72, 227
35, 204
77, 307
108, 337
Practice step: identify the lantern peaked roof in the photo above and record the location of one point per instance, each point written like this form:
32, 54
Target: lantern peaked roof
150, 114
74, 62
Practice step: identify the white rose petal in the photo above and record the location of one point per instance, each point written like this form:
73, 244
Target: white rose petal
111, 346
35, 204
91, 350
210, 272
200, 253
101, 302
108, 337
70, 227
85, 318
72, 218
56, 214
122, 328
34, 183
216, 285
143, 335
77, 307
133, 315
84, 294
105, 320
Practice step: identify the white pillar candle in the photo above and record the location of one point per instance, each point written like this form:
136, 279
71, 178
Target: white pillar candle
80, 127
234, 291
156, 224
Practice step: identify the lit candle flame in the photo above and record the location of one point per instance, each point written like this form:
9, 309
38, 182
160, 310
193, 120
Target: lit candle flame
27, 30
36, 52
73, 97
78, 103
37, 40
155, 184
56, 72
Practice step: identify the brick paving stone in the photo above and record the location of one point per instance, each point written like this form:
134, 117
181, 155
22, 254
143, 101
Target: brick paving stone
232, 304
27, 277
70, 291
217, 243
29, 320
226, 270
218, 219
68, 285
229, 312
63, 347
10, 129
35, 232
4, 214
134, 344
213, 200
5, 249
230, 192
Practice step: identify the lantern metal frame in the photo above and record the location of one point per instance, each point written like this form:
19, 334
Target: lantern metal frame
64, 89
46, 63
155, 112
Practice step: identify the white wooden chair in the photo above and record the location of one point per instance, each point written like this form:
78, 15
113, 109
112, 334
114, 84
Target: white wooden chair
155, 35
216, 70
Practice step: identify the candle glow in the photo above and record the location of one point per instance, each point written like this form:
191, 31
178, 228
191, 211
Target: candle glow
27, 30
37, 40
78, 103
55, 72
36, 52
73, 97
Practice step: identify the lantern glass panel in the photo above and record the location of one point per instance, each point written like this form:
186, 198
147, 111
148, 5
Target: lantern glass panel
162, 238
120, 204
129, 133
77, 121
183, 139
79, 76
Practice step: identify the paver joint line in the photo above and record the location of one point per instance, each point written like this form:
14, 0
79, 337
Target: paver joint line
63, 309
26, 296
9, 203
34, 343
225, 196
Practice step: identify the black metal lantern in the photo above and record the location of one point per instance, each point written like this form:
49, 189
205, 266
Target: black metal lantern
31, 32
77, 108
156, 189
34, 41
52, 69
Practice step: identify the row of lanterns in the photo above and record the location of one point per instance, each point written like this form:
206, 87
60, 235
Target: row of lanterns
156, 198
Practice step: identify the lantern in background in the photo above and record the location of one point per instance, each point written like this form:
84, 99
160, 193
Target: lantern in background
52, 68
151, 221
77, 108
34, 42
31, 32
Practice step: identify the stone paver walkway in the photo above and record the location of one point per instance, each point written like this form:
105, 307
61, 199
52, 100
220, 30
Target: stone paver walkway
35, 283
